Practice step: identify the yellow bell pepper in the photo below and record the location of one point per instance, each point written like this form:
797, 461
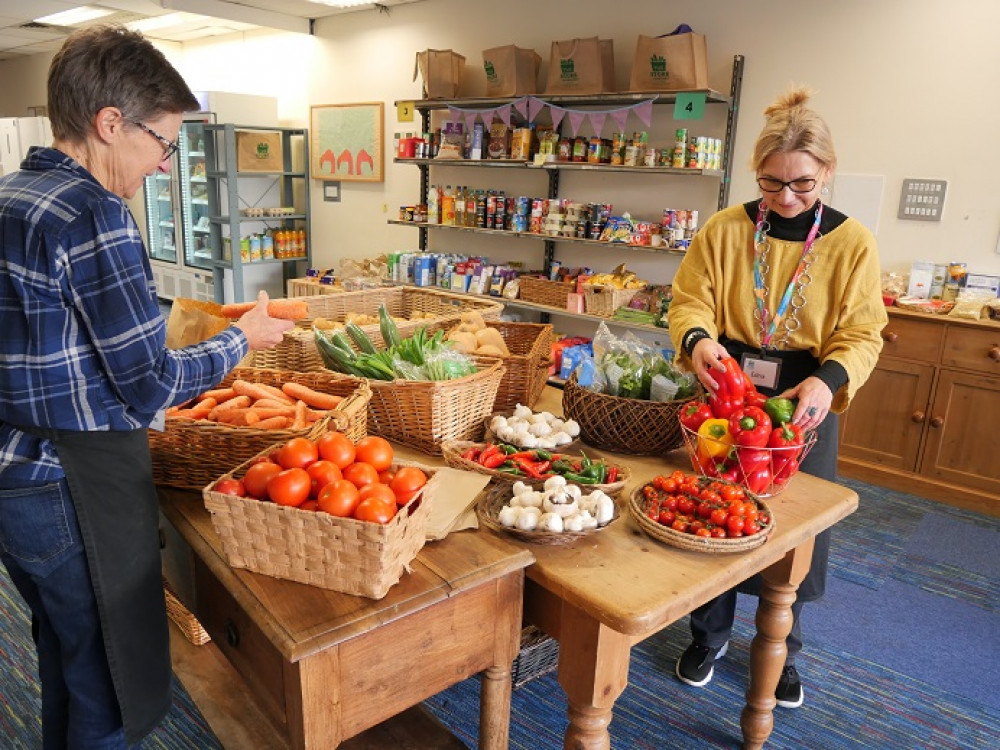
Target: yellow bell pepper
714, 439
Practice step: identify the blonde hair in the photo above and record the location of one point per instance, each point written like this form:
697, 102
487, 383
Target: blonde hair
791, 126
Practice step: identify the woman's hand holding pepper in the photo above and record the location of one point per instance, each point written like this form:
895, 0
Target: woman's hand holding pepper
814, 400
706, 356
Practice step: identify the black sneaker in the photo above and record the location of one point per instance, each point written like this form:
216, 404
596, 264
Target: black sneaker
789, 690
697, 664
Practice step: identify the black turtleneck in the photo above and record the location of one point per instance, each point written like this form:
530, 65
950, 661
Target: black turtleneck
796, 228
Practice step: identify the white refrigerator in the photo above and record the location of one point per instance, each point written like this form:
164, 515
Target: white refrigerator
17, 135
176, 202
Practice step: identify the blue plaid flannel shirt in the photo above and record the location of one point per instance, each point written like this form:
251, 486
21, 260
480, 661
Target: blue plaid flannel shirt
82, 339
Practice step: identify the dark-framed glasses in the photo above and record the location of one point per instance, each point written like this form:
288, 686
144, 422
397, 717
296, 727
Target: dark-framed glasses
169, 147
772, 185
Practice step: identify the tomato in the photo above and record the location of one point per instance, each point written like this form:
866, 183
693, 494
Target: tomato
379, 490
339, 498
408, 479
666, 517
711, 497
731, 492
375, 451
386, 477
321, 473
230, 486
750, 527
336, 447
702, 531
361, 474
297, 453
719, 517
679, 525
308, 505
290, 487
718, 532
685, 505
734, 524
404, 498
705, 509
669, 502
375, 510
257, 477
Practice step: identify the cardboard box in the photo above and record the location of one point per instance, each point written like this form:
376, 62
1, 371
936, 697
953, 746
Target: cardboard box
258, 151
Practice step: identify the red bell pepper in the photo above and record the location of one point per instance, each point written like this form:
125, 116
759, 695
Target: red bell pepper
758, 480
751, 396
750, 426
728, 471
751, 459
788, 438
785, 469
694, 414
728, 397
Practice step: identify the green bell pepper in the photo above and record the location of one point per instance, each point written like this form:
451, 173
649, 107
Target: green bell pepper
780, 410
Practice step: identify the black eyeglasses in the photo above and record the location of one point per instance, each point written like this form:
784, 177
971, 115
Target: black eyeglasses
169, 147
801, 185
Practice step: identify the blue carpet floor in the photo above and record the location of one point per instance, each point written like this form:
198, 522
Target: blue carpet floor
901, 654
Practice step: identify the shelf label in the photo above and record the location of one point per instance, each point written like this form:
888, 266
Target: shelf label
689, 106
404, 111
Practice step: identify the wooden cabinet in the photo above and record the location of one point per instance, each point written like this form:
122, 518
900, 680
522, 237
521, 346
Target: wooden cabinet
924, 422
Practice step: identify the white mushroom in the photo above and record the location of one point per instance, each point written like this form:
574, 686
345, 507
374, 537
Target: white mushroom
588, 521
573, 523
520, 487
550, 522
532, 499
558, 501
540, 429
604, 510
555, 483
509, 514
522, 411
497, 423
527, 520
572, 428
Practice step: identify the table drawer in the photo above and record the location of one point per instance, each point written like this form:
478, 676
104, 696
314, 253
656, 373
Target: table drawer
973, 349
242, 642
912, 339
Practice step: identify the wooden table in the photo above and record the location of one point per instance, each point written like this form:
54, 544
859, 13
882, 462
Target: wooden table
326, 666
600, 597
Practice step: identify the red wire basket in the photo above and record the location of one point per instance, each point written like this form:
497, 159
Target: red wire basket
745, 466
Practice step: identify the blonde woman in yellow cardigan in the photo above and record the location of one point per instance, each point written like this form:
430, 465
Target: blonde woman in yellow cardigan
790, 288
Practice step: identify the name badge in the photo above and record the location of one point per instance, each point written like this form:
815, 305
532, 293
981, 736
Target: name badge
762, 371
159, 422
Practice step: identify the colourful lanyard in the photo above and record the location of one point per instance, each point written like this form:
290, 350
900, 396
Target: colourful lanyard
767, 331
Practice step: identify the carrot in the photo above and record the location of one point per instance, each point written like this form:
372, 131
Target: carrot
282, 411
274, 423
287, 309
173, 411
219, 394
203, 408
313, 415
271, 403
237, 402
261, 390
299, 421
311, 397
237, 416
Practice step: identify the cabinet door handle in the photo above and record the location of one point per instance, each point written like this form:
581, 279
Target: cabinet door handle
918, 417
994, 353
890, 336
937, 422
232, 635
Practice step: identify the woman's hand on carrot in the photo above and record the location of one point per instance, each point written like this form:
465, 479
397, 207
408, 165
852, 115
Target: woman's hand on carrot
262, 330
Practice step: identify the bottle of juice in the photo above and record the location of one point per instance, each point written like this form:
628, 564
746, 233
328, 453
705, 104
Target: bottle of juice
302, 243
448, 207
433, 205
460, 206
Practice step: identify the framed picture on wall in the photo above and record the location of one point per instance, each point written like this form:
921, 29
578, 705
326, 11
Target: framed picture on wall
346, 142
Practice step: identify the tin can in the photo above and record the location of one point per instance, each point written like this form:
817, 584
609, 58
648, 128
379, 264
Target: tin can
651, 157
681, 135
669, 218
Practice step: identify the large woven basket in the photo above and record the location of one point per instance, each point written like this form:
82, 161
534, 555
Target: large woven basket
190, 453
310, 287
530, 346
342, 554
424, 413
544, 292
623, 425
296, 352
603, 301
419, 307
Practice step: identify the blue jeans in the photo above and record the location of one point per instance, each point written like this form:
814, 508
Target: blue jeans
41, 547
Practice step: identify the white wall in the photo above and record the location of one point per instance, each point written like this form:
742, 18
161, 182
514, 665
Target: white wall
905, 88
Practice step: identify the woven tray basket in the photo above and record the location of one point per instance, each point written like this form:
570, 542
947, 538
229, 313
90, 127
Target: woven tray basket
495, 496
637, 509
539, 655
530, 346
491, 437
190, 453
182, 617
313, 547
623, 425
435, 309
452, 451
424, 413
544, 292
603, 301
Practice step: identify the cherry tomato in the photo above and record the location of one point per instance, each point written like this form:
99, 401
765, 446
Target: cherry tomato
375, 510
702, 531
257, 477
336, 447
711, 497
666, 517
375, 451
679, 525
339, 498
290, 487
685, 505
731, 492
750, 527
734, 525
230, 486
718, 532
321, 473
670, 502
297, 453
719, 517
360, 474
705, 509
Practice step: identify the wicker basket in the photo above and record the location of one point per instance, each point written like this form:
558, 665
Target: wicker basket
424, 413
573, 446
310, 287
495, 496
637, 506
530, 346
191, 453
419, 308
182, 617
604, 300
624, 425
452, 451
342, 554
545, 292
297, 352
539, 655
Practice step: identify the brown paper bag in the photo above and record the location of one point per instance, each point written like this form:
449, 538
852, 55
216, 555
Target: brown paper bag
258, 151
192, 322
511, 71
441, 71
670, 63
581, 66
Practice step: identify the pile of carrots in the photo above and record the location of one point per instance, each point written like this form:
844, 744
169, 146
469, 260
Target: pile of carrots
293, 406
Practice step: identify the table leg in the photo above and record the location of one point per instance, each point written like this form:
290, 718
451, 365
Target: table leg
768, 649
593, 671
494, 708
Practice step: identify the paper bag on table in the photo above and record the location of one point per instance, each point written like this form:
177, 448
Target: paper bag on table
192, 322
455, 492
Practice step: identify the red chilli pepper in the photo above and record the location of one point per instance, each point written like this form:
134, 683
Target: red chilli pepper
728, 397
471, 454
694, 414
612, 476
493, 461
490, 450
750, 426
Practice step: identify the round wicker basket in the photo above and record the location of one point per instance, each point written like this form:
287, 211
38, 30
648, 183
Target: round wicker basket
624, 425
496, 495
637, 506
491, 437
452, 451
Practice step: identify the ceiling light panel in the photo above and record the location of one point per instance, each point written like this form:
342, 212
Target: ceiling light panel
75, 16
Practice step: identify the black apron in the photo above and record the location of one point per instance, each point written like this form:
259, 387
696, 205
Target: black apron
110, 479
796, 366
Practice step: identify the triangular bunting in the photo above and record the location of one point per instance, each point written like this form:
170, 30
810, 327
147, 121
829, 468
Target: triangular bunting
470, 120
534, 107
504, 115
521, 105
644, 111
597, 120
557, 116
575, 120
620, 116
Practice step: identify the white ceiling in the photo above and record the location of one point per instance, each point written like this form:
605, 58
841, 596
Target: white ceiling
199, 19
